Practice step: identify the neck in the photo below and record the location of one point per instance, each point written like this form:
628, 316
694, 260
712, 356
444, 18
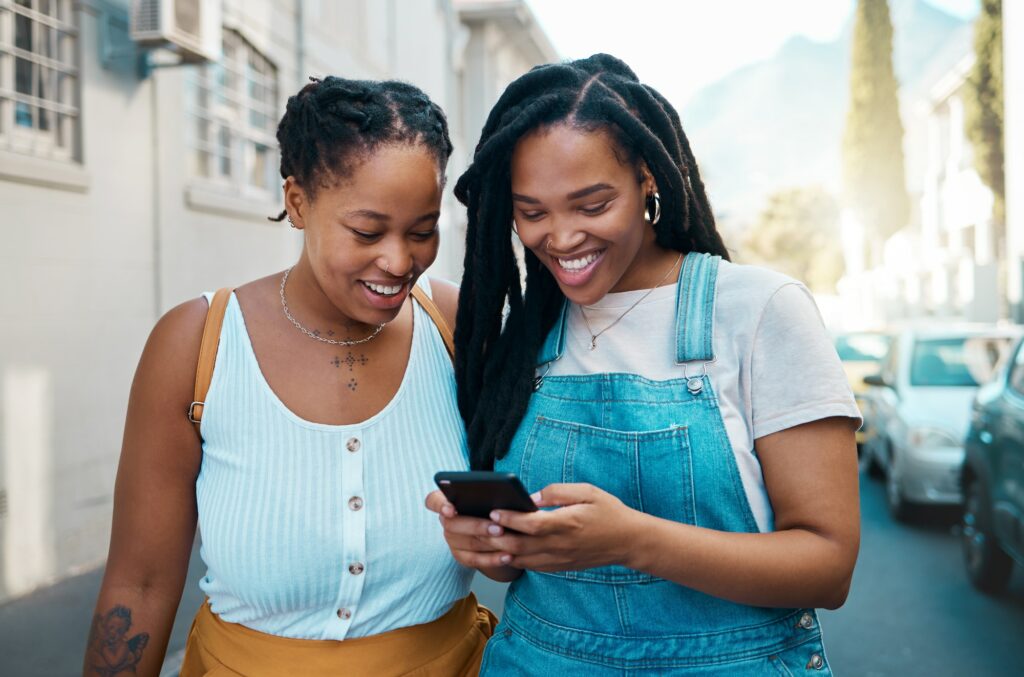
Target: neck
649, 269
313, 307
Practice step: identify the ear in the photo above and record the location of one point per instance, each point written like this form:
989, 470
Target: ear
647, 184
296, 202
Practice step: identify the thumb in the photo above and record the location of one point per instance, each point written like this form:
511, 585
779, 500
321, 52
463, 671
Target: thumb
564, 494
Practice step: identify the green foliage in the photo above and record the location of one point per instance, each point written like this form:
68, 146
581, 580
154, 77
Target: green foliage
983, 106
874, 185
798, 234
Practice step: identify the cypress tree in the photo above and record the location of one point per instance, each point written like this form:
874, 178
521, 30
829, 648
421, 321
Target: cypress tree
874, 185
983, 106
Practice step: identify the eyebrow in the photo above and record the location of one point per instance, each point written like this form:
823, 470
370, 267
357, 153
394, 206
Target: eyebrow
575, 195
378, 216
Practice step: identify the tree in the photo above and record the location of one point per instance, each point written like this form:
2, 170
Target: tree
874, 185
983, 107
798, 234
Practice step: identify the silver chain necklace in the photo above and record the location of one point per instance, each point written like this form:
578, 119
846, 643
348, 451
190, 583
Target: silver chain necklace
593, 336
333, 342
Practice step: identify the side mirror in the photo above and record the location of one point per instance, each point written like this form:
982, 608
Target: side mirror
875, 380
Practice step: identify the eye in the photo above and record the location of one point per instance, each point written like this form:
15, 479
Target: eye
365, 236
532, 216
594, 210
425, 235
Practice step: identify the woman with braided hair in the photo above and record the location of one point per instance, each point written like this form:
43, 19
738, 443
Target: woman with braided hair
684, 421
331, 406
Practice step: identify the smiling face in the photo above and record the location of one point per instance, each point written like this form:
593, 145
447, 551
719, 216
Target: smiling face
579, 207
370, 235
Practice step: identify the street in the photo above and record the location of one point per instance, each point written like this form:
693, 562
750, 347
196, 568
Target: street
911, 611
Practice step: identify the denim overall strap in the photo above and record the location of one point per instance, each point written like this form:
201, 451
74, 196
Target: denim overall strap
554, 344
695, 308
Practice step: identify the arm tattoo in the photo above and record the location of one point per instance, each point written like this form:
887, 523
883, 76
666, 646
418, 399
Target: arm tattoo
111, 651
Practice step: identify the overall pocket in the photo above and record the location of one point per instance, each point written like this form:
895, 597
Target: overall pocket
649, 471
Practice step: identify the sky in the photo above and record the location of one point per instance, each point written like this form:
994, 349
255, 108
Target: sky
700, 53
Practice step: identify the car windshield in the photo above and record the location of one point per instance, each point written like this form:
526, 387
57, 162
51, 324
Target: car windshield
956, 361
862, 347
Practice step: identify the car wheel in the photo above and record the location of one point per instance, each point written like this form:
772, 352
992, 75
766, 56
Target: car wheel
988, 567
898, 506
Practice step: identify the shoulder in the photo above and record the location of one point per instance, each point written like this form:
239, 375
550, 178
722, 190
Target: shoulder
446, 296
172, 350
746, 291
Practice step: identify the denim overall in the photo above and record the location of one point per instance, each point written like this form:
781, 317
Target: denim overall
660, 447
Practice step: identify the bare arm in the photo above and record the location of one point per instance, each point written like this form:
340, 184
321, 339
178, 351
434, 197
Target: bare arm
154, 505
811, 476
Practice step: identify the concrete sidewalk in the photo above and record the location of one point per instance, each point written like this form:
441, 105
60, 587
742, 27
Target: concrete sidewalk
43, 634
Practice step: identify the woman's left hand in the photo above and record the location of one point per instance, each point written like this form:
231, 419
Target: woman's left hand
589, 528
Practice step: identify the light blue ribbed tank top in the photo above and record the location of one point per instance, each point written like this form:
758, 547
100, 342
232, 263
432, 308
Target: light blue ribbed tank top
287, 549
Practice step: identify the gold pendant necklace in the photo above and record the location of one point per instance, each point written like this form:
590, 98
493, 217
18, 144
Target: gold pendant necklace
593, 336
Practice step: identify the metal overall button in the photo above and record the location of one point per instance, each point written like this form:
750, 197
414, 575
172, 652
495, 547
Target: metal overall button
806, 621
816, 662
695, 384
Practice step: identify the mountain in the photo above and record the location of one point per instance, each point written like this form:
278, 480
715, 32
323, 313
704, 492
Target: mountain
779, 123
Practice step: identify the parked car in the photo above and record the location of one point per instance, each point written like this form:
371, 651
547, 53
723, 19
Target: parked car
921, 400
993, 480
862, 353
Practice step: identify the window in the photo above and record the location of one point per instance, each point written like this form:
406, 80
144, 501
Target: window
39, 78
959, 361
862, 347
232, 111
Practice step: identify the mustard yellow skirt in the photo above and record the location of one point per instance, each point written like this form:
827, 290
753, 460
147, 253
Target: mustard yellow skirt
451, 646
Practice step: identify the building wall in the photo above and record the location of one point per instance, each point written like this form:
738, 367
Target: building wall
95, 252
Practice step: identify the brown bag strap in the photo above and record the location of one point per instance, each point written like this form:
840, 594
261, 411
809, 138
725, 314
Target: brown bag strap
208, 352
435, 315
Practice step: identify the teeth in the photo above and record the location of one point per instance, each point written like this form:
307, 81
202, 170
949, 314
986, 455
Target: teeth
382, 290
580, 263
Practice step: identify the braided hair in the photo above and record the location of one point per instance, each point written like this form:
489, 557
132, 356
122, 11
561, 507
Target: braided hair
332, 123
495, 361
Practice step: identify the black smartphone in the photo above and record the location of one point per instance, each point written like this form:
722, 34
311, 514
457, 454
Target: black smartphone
475, 493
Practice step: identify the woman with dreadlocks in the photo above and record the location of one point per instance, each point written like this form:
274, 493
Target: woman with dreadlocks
684, 420
332, 404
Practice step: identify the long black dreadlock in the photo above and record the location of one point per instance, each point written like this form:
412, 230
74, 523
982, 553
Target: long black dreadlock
494, 363
332, 122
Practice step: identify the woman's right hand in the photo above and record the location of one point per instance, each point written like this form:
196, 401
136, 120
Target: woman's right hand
467, 538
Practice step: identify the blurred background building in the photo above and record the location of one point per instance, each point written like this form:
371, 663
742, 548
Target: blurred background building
130, 183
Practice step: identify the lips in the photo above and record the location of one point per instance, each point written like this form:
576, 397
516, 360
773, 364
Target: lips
578, 269
385, 295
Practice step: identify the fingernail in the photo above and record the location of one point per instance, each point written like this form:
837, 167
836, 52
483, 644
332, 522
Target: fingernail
535, 496
494, 530
495, 515
505, 559
448, 511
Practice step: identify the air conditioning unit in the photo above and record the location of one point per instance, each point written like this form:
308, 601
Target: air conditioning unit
189, 27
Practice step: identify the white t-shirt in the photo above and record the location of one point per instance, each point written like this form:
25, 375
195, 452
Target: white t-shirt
775, 365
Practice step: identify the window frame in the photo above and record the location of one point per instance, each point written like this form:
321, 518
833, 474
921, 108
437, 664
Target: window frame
224, 157
59, 63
